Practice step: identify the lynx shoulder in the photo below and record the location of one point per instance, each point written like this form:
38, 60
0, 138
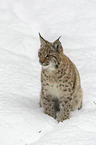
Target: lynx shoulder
60, 81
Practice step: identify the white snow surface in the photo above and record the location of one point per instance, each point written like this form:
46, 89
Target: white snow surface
22, 121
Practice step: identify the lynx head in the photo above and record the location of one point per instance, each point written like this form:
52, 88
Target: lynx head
49, 53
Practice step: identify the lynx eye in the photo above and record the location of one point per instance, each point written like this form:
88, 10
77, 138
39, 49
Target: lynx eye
47, 55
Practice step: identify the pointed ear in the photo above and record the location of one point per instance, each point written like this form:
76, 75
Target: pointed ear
58, 38
57, 44
42, 40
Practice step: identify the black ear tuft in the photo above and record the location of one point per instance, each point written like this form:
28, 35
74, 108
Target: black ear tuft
42, 40
59, 38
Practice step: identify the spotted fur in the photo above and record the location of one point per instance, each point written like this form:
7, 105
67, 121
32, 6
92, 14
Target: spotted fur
61, 89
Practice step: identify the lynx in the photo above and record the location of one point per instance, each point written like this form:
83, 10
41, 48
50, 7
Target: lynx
60, 81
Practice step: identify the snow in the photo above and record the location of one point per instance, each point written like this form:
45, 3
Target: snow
22, 121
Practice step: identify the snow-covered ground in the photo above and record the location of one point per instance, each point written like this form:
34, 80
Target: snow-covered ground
22, 121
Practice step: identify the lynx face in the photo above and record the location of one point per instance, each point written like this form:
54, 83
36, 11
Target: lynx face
49, 53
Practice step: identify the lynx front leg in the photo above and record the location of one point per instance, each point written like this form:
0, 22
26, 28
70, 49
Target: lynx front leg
48, 105
65, 108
